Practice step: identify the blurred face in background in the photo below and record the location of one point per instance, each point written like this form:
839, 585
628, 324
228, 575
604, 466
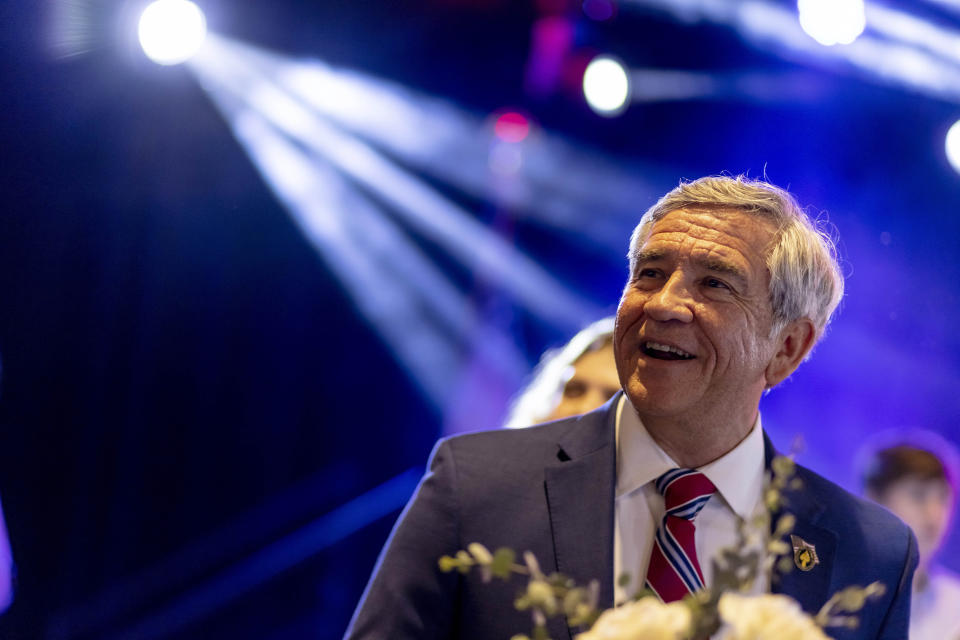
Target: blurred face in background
925, 506
593, 380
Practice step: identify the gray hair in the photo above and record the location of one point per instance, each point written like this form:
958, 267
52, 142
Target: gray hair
805, 276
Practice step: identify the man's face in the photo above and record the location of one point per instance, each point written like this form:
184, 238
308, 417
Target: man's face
692, 332
925, 506
593, 382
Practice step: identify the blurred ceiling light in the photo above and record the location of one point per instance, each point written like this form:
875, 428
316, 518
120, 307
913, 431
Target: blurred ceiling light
831, 22
953, 145
606, 86
896, 51
171, 31
512, 127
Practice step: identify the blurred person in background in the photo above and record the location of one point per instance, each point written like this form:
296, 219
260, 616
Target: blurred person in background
919, 486
575, 379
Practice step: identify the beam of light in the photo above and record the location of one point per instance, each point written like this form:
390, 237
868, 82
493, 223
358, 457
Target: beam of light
422, 207
71, 28
420, 314
831, 22
171, 31
202, 556
390, 284
916, 32
269, 562
606, 86
946, 4
555, 184
952, 144
658, 85
775, 28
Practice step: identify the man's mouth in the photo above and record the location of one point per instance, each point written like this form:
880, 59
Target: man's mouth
664, 351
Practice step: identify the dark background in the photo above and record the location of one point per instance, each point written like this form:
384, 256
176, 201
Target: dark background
189, 395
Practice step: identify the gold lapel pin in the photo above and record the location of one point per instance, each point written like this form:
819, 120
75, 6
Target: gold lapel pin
804, 554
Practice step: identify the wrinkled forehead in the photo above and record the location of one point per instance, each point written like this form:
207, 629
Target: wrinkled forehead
732, 233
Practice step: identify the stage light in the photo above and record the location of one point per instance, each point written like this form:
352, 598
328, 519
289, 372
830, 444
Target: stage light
606, 86
831, 22
953, 145
171, 31
916, 55
511, 127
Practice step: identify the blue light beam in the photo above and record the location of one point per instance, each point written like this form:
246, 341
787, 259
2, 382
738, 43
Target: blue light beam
557, 184
272, 560
422, 207
901, 61
421, 316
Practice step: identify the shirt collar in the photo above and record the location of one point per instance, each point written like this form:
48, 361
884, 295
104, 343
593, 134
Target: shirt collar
737, 475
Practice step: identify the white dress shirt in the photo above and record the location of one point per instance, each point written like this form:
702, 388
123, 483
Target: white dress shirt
738, 476
935, 611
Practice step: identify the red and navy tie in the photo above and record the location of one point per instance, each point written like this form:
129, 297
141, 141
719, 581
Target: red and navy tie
674, 570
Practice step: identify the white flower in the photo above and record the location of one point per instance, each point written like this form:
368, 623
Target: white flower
766, 617
645, 619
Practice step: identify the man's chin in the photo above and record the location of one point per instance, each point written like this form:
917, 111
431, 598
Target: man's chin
655, 402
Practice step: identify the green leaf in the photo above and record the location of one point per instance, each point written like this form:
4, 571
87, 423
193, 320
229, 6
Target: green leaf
447, 564
502, 565
540, 633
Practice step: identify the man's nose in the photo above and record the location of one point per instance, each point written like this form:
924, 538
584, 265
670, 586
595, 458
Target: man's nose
671, 302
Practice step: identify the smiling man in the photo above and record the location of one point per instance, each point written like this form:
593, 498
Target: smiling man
730, 286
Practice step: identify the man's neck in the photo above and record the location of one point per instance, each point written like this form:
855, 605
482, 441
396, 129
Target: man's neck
693, 444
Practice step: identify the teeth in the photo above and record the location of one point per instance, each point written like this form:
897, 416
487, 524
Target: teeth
666, 347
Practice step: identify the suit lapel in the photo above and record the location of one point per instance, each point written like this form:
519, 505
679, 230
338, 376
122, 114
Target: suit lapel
580, 494
810, 588
580, 498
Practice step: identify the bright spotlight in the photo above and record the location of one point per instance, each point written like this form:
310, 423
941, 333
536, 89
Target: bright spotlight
606, 86
953, 145
511, 127
171, 31
831, 22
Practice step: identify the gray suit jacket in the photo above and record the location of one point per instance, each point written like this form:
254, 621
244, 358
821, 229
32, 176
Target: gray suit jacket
550, 490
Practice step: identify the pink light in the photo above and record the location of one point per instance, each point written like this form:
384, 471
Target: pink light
512, 127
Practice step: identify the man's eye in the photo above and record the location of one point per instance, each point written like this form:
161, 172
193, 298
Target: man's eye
716, 284
647, 273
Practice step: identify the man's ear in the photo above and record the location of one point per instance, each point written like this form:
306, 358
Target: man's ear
793, 344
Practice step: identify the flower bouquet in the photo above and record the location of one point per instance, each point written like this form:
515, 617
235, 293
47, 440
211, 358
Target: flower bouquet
723, 612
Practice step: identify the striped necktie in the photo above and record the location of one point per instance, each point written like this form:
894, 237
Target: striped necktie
674, 570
